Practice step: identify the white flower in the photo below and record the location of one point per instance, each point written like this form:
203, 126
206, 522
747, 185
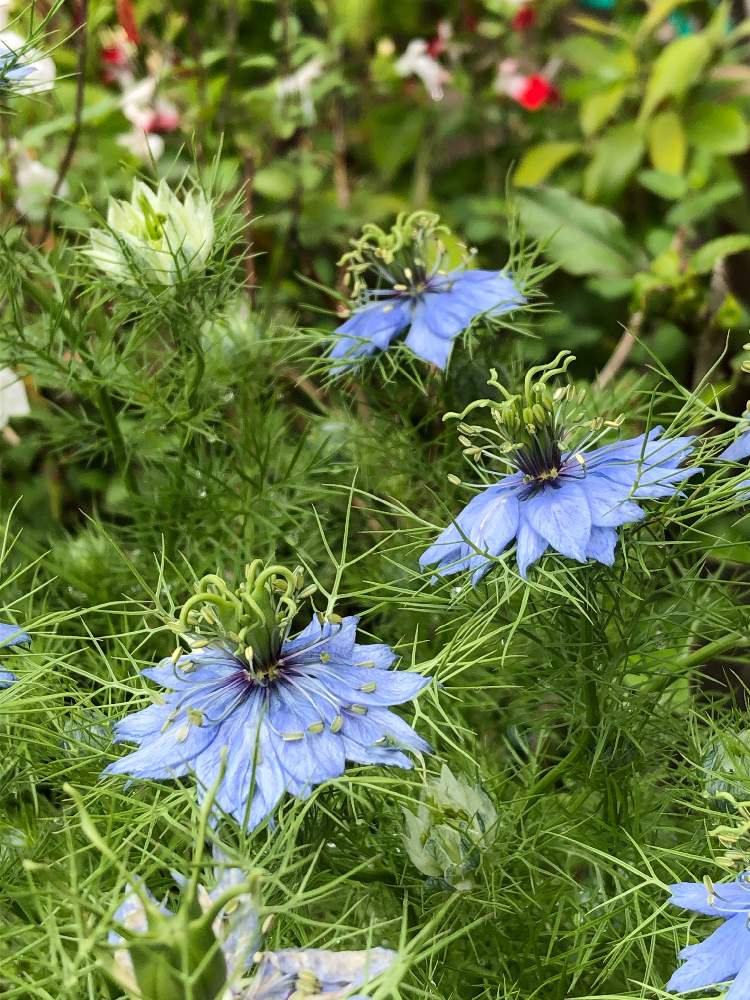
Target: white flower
35, 183
417, 60
299, 84
42, 72
13, 401
154, 237
146, 146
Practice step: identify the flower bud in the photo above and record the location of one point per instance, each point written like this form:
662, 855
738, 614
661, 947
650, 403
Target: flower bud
165, 951
454, 824
154, 237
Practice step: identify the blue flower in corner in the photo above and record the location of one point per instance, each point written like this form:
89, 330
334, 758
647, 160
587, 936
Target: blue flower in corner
415, 291
288, 720
571, 502
10, 636
725, 954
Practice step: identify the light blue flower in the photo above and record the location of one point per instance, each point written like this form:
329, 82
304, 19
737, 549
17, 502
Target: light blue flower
569, 501
316, 973
405, 278
436, 307
284, 974
738, 450
725, 954
288, 720
10, 636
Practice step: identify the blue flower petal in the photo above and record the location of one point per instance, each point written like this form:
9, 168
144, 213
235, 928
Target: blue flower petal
740, 988
489, 522
723, 899
738, 450
562, 517
369, 329
602, 544
425, 342
715, 960
7, 677
374, 654
13, 635
530, 547
609, 508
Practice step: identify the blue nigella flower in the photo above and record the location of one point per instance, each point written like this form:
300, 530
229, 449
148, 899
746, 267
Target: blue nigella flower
10, 636
569, 501
288, 719
725, 954
250, 974
283, 975
435, 307
415, 291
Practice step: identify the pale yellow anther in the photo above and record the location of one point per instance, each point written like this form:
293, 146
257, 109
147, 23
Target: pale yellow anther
315, 727
400, 288
454, 479
195, 716
368, 688
337, 723
249, 654
182, 733
358, 709
176, 654
292, 737
408, 273
325, 657
199, 643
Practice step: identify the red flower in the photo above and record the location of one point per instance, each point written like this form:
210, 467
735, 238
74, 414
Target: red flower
536, 92
436, 47
126, 17
524, 19
115, 55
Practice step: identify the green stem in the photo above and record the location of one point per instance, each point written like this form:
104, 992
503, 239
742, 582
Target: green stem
551, 776
199, 369
712, 649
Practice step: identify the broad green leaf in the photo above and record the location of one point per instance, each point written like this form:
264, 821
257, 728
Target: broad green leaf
665, 185
706, 256
539, 162
595, 58
697, 206
278, 181
616, 158
719, 128
597, 26
667, 146
597, 109
678, 66
582, 238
